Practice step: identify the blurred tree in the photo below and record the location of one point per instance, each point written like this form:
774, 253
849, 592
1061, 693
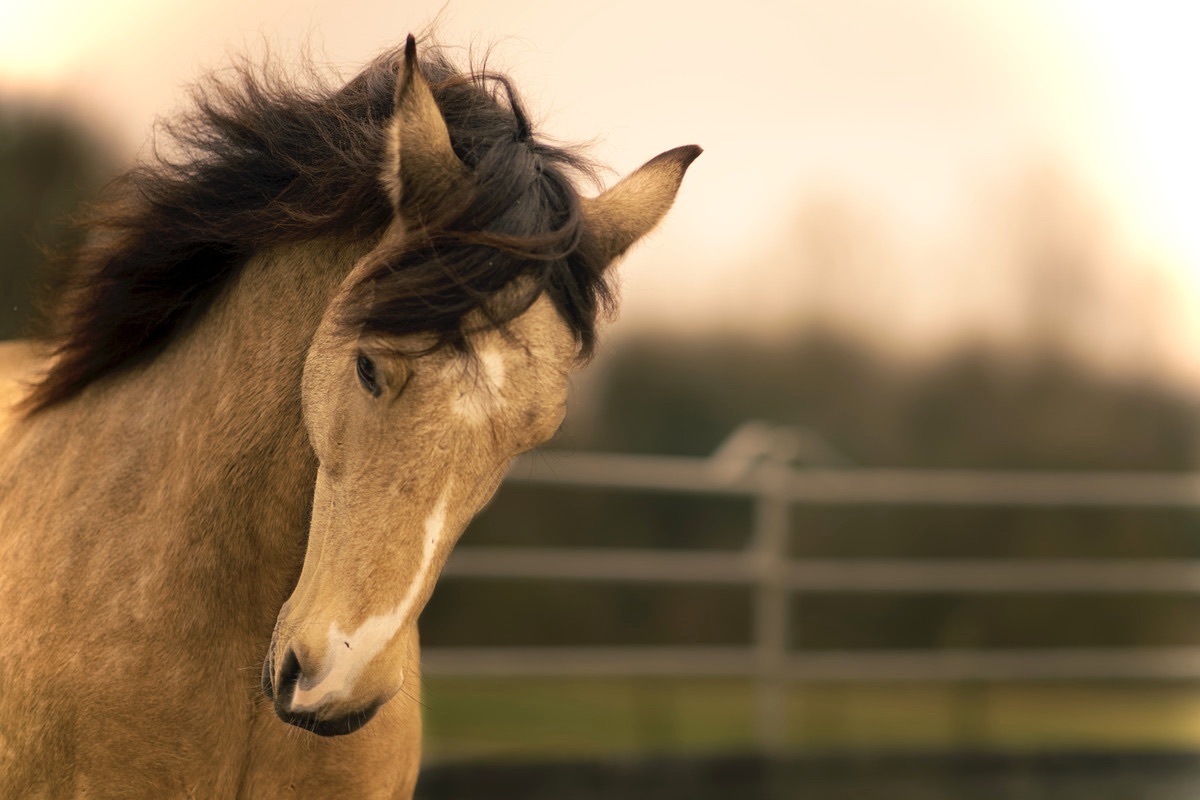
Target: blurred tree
978, 407
49, 164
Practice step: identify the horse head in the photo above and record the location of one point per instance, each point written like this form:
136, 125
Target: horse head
421, 385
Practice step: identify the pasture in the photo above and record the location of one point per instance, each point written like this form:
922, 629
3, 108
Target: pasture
512, 719
578, 740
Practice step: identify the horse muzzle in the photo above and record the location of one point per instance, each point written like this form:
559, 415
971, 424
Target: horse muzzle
280, 689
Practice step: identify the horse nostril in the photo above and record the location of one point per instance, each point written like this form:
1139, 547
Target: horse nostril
289, 673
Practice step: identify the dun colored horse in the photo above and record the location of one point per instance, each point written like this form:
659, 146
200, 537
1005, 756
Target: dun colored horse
295, 358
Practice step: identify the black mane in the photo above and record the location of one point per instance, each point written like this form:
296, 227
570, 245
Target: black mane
266, 161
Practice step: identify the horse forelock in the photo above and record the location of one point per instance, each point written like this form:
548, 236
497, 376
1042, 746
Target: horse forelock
519, 216
266, 159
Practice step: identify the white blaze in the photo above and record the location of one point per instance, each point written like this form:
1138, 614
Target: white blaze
480, 391
348, 653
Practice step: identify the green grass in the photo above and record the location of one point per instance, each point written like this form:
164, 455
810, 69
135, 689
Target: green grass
472, 718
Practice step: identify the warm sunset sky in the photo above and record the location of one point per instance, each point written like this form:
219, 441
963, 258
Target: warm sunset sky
909, 110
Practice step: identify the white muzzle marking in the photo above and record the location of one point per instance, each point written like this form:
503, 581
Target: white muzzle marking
349, 653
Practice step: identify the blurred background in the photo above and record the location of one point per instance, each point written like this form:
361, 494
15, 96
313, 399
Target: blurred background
941, 256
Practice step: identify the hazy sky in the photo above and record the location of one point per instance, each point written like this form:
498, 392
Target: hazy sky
909, 110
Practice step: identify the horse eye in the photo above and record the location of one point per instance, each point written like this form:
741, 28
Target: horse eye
367, 376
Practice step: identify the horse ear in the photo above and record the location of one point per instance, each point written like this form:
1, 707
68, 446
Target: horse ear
628, 211
422, 172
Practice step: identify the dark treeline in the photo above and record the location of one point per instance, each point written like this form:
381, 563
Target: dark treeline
49, 164
978, 408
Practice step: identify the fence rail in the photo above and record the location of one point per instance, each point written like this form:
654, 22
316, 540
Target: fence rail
762, 472
857, 486
831, 575
849, 666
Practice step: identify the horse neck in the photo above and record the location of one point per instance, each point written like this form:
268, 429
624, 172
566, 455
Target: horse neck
240, 396
216, 445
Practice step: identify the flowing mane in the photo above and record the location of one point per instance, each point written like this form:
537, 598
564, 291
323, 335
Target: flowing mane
263, 160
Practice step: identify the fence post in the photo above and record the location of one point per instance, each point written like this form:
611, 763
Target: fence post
770, 546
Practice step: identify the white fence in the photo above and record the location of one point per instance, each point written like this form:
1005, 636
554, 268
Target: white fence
755, 463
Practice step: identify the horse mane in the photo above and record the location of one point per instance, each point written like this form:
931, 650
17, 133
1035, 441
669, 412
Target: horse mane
264, 159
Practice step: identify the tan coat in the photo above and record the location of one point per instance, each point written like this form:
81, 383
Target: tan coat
244, 528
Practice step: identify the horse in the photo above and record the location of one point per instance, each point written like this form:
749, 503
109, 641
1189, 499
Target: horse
297, 351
